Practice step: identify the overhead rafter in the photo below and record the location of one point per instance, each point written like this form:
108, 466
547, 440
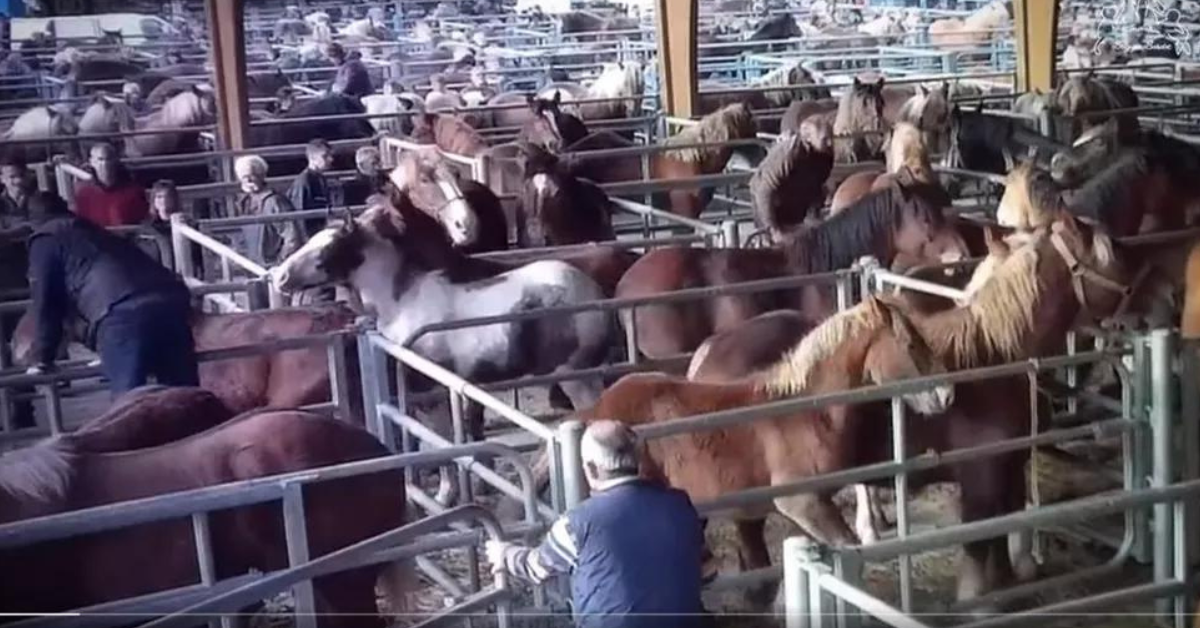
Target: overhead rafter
1035, 23
677, 21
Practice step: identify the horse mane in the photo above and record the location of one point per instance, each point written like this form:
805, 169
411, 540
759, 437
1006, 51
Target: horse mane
42, 472
791, 375
730, 122
1098, 193
842, 239
996, 321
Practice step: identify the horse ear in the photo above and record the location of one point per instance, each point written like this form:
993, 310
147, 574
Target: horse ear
557, 100
924, 91
857, 83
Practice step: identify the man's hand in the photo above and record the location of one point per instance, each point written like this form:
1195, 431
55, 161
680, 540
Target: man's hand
495, 551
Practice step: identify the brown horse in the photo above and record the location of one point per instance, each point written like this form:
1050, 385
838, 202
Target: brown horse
449, 133
551, 127
150, 416
281, 379
1084, 98
896, 223
557, 207
859, 126
55, 476
907, 161
468, 211
734, 122
790, 183
1127, 197
1023, 309
872, 342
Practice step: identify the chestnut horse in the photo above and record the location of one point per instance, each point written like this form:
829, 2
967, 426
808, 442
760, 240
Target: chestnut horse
56, 476
557, 207
1022, 310
279, 379
896, 223
872, 342
907, 161
1189, 323
790, 182
734, 122
150, 416
469, 212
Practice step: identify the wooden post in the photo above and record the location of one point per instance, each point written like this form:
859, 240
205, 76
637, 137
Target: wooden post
1035, 24
677, 56
228, 39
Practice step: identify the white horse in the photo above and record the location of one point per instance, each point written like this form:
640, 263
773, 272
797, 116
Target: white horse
623, 80
399, 106
409, 277
43, 122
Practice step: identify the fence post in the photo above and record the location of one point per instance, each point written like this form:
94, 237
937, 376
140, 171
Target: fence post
904, 561
729, 233
180, 247
796, 555
570, 434
1162, 403
295, 532
258, 294
373, 370
338, 384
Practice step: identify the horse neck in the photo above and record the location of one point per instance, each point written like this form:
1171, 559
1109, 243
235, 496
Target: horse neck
380, 280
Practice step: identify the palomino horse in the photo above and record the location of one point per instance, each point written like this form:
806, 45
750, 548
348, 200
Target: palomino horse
469, 212
1023, 309
734, 122
558, 208
1084, 99
281, 379
928, 110
872, 342
907, 161
408, 275
896, 223
1128, 196
58, 476
976, 30
551, 127
790, 182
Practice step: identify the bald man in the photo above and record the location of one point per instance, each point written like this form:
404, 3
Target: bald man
633, 549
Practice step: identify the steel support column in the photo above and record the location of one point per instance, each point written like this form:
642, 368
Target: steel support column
677, 55
228, 40
1035, 24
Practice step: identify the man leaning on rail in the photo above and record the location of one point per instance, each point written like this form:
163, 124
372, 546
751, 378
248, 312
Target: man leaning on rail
634, 549
137, 311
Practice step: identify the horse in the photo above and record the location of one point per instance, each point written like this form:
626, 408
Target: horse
280, 379
620, 85
892, 225
551, 127
41, 123
408, 275
558, 208
188, 109
399, 109
58, 476
1128, 196
859, 125
993, 144
907, 161
790, 182
976, 30
449, 133
1189, 321
1084, 99
470, 214
929, 110
794, 81
276, 130
1103, 145
872, 342
734, 122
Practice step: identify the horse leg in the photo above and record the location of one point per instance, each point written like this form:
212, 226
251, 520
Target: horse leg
818, 517
753, 554
867, 515
990, 488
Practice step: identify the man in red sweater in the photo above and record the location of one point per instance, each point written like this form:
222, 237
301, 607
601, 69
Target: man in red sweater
112, 198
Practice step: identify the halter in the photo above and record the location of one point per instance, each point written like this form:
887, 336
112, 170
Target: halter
452, 194
1082, 273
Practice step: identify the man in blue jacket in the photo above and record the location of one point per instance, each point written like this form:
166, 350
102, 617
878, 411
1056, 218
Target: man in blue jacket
137, 312
633, 550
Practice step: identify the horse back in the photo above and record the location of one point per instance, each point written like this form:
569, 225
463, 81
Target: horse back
149, 417
748, 348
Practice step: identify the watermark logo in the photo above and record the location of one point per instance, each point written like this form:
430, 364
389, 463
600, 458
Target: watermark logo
1159, 24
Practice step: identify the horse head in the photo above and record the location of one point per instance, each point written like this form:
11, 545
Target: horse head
551, 126
1031, 198
330, 256
1087, 156
433, 187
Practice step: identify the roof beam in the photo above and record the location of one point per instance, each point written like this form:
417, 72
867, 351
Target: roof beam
1035, 23
677, 55
227, 38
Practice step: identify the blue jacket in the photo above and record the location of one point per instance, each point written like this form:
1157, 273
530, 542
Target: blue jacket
634, 553
79, 269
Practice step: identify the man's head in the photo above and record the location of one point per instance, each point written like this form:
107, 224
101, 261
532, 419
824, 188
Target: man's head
251, 172
336, 53
164, 199
15, 178
320, 155
44, 206
367, 160
609, 450
104, 162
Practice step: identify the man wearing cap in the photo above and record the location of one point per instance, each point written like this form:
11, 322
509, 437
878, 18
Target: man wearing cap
633, 549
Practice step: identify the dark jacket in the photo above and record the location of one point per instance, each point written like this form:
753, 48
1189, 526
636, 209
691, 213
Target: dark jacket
268, 243
352, 79
77, 268
15, 228
314, 190
634, 553
362, 186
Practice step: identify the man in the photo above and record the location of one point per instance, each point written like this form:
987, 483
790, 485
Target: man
112, 198
369, 177
136, 311
266, 243
352, 78
15, 227
14, 201
311, 189
633, 550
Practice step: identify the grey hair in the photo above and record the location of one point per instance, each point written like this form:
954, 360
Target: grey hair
250, 164
366, 152
611, 447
